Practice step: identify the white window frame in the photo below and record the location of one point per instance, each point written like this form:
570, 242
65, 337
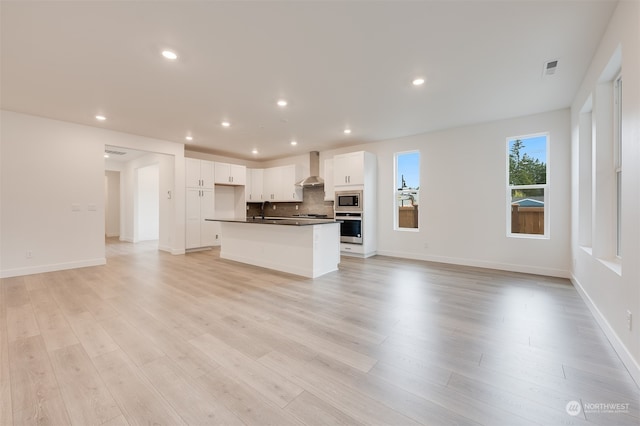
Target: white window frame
545, 187
617, 155
396, 224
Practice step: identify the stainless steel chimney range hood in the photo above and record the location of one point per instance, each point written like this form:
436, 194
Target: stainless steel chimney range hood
314, 166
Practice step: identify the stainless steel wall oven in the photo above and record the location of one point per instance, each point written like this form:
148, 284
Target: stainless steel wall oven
350, 227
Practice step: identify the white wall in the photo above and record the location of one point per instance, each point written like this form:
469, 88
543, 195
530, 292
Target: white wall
463, 212
112, 203
610, 287
220, 158
48, 166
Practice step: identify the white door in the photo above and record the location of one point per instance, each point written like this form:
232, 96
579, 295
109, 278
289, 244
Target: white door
148, 203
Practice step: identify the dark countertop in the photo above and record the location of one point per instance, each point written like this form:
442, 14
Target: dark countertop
291, 221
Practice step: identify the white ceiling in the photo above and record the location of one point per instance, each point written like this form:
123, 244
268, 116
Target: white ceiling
339, 64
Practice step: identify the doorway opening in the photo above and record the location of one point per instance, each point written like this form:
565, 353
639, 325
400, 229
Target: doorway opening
138, 196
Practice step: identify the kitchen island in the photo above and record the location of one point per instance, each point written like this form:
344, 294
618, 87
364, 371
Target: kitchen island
307, 247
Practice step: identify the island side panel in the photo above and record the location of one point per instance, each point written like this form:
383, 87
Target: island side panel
326, 248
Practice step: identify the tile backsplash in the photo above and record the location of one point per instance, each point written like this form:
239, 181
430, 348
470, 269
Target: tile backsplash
312, 202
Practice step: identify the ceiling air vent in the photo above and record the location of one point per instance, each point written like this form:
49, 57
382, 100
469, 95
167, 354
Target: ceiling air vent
112, 152
550, 68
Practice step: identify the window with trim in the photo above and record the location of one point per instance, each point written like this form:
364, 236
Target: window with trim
527, 186
407, 184
617, 155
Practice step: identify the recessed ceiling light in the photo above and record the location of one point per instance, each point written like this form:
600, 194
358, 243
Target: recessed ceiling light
225, 124
101, 117
255, 151
189, 138
418, 82
347, 131
106, 156
169, 55
294, 143
282, 103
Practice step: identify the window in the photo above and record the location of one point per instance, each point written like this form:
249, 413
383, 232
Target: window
407, 186
527, 187
617, 155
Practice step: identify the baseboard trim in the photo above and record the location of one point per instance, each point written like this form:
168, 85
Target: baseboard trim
623, 352
16, 272
360, 255
526, 269
165, 248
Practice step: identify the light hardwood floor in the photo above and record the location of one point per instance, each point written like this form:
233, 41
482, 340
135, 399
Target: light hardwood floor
152, 338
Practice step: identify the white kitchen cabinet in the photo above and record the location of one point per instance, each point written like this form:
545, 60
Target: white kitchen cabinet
329, 192
349, 169
280, 184
358, 171
289, 177
199, 173
230, 174
272, 190
254, 185
199, 206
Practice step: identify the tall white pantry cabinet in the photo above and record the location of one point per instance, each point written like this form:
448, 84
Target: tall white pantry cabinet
199, 178
359, 171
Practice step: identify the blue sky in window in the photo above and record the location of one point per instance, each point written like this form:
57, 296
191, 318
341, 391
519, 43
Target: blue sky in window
409, 166
536, 147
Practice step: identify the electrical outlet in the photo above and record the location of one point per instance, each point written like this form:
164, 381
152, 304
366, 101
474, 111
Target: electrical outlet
629, 319
274, 206
29, 254
296, 207
217, 236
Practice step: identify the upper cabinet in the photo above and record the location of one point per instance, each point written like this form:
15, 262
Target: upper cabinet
290, 191
348, 169
230, 174
279, 184
329, 193
199, 173
254, 186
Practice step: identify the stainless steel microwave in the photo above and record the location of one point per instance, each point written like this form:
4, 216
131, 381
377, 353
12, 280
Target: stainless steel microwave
348, 201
